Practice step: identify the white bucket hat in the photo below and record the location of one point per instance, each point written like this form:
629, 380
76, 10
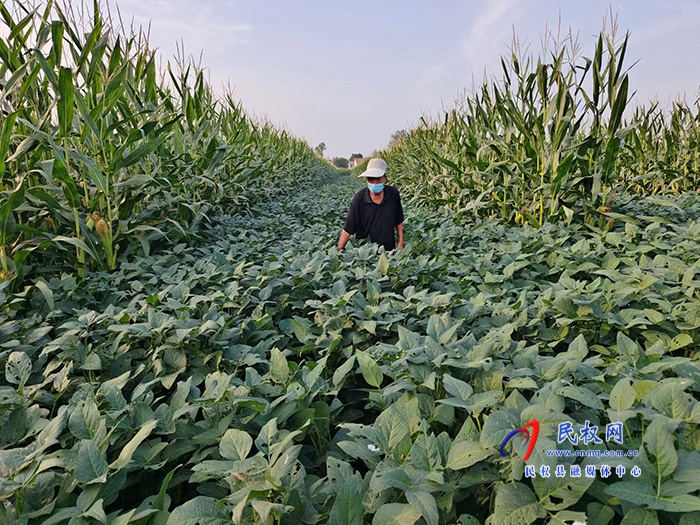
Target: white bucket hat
375, 168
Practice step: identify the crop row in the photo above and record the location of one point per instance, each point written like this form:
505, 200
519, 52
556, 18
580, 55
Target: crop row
103, 155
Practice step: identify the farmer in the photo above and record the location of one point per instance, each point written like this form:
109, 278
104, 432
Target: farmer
375, 210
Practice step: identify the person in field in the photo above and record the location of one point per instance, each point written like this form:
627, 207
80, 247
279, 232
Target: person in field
375, 211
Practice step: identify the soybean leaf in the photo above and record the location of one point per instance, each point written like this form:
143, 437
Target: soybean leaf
622, 395
202, 510
91, 465
396, 514
516, 505
132, 445
659, 443
464, 454
347, 509
235, 444
370, 369
279, 369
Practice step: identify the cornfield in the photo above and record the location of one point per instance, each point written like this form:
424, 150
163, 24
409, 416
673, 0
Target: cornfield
182, 342
103, 155
549, 141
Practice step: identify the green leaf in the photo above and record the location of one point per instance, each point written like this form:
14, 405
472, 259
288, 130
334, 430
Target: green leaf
522, 382
393, 478
394, 425
582, 395
557, 493
565, 517
619, 105
464, 454
424, 502
498, 425
383, 265
671, 400
481, 400
7, 219
47, 293
302, 329
578, 347
201, 510
136, 155
396, 514
688, 467
342, 371
457, 387
641, 493
7, 127
627, 348
85, 422
690, 518
279, 369
635, 491
516, 505
284, 465
70, 189
235, 444
599, 514
65, 101
91, 465
129, 449
659, 443
48, 70
60, 239
639, 516
18, 368
680, 341
370, 369
347, 508
622, 395
265, 508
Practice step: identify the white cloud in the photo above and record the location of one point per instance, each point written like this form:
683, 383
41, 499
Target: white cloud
202, 25
485, 40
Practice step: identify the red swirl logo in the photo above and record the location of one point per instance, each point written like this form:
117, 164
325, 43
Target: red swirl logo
530, 438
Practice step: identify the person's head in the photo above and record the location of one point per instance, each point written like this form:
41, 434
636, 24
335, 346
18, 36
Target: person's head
376, 180
375, 175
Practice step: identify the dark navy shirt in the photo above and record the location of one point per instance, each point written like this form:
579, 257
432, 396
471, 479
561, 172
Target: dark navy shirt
378, 221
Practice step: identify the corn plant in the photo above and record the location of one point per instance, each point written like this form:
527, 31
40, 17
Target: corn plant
548, 141
114, 155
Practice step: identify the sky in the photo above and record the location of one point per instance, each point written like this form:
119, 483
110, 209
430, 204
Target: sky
350, 74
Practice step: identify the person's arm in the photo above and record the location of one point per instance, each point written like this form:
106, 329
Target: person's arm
350, 227
344, 237
399, 220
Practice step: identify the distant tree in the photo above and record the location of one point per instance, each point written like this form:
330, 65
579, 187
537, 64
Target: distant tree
340, 162
320, 149
398, 136
356, 156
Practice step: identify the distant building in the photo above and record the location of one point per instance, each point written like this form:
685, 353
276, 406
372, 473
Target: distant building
355, 160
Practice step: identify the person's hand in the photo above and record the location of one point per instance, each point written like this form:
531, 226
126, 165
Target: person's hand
400, 245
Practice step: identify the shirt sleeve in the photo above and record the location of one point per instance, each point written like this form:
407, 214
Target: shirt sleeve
351, 220
399, 209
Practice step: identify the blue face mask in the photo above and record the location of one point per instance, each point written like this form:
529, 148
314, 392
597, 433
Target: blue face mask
375, 188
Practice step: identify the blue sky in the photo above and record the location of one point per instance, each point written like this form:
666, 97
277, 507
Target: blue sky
352, 73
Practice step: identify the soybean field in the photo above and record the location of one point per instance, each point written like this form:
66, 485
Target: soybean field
182, 342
